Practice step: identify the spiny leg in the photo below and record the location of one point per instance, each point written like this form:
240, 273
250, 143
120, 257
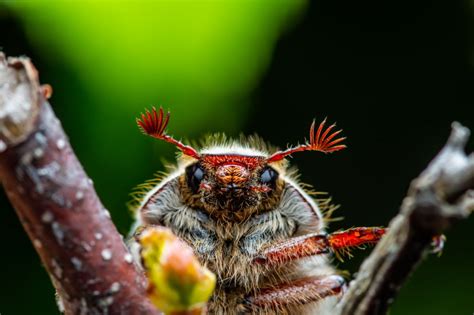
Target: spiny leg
316, 244
343, 241
299, 292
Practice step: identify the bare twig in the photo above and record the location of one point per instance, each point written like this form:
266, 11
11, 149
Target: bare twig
439, 197
80, 247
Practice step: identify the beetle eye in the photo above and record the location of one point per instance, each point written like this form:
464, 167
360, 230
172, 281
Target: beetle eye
194, 176
269, 176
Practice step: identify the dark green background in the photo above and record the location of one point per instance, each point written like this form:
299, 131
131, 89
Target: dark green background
394, 75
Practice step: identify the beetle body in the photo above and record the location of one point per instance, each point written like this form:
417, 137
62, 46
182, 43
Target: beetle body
249, 221
228, 240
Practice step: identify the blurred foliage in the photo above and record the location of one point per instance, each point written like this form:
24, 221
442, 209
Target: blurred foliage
108, 60
200, 59
178, 282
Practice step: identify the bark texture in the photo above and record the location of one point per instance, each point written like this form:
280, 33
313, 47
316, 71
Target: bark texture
55, 200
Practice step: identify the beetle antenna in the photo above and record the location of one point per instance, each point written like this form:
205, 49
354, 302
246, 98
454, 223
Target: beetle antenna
320, 139
154, 124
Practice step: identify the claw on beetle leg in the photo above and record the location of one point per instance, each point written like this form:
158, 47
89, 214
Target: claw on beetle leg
437, 244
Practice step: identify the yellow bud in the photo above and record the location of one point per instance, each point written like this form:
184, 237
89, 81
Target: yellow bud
177, 281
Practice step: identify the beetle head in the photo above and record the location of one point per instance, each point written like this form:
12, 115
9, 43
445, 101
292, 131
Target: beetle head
233, 184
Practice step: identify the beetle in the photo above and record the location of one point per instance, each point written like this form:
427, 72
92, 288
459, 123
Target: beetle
248, 219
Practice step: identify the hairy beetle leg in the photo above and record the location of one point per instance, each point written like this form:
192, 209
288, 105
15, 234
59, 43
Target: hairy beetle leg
316, 244
303, 291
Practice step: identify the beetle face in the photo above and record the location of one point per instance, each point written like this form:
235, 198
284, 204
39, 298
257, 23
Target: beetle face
232, 184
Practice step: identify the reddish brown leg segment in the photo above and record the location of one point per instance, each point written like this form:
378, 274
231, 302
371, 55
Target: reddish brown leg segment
355, 237
294, 248
316, 244
306, 290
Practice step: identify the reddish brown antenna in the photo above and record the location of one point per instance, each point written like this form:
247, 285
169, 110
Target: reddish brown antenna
154, 124
319, 140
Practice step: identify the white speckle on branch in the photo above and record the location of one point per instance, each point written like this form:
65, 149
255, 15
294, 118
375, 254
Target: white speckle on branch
47, 217
37, 243
60, 144
58, 232
59, 199
49, 170
77, 263
60, 303
106, 213
79, 195
128, 258
115, 287
40, 138
106, 254
38, 153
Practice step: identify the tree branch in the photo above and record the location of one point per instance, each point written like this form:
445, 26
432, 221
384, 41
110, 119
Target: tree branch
437, 199
72, 232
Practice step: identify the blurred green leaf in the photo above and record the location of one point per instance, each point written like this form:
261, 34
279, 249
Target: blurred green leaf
200, 59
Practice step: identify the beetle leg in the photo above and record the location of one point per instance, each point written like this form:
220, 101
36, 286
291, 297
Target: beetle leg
437, 244
302, 291
316, 244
